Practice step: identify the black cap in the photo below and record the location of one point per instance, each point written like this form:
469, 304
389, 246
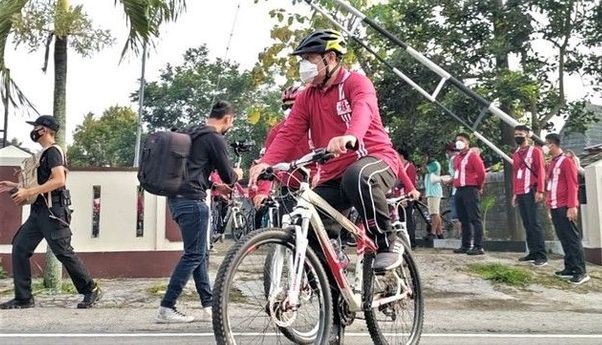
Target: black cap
46, 121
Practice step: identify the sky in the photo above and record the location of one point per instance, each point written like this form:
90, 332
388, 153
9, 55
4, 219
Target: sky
100, 81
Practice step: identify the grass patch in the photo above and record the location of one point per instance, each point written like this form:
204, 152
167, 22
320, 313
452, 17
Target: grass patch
158, 290
67, 288
503, 274
3, 273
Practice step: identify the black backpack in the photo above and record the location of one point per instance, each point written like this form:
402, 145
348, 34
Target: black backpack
163, 162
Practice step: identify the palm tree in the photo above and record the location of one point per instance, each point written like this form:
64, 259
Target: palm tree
144, 19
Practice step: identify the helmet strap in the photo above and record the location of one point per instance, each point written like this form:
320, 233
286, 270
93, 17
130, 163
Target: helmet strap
329, 72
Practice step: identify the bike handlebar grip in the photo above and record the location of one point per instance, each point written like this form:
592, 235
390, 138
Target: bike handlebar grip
354, 147
267, 174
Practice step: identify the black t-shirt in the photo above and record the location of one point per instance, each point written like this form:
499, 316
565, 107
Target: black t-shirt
51, 158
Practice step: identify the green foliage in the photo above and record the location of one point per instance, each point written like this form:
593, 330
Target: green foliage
105, 141
3, 273
503, 274
474, 41
183, 95
487, 202
40, 18
145, 17
66, 287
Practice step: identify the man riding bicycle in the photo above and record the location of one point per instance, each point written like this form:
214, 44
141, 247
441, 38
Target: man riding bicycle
340, 108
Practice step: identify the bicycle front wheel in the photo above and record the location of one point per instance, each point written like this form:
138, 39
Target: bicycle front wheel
245, 313
240, 225
398, 322
276, 264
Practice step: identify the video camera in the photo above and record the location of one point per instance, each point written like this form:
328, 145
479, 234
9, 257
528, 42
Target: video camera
241, 146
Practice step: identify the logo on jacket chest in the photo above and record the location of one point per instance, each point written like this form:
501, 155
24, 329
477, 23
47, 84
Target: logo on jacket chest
343, 107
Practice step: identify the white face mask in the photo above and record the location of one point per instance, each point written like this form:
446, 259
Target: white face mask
460, 145
307, 71
287, 113
545, 149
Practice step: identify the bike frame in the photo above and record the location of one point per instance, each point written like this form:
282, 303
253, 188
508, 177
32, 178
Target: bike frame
306, 213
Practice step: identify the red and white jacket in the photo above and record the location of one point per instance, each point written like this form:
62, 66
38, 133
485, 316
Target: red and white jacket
562, 184
402, 188
348, 107
528, 170
302, 148
469, 170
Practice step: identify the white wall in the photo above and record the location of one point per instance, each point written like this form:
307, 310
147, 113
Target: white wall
117, 214
592, 234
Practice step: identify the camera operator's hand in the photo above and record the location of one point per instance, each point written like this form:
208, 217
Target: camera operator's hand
239, 173
21, 196
6, 186
255, 171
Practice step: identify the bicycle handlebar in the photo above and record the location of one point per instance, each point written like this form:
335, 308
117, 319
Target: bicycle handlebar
317, 156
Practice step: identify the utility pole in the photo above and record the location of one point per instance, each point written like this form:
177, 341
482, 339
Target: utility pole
140, 108
5, 101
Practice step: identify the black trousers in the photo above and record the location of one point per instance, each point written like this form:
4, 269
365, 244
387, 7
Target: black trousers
58, 236
364, 186
469, 213
570, 239
535, 236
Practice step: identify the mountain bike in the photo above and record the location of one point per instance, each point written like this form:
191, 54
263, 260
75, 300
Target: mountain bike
300, 264
239, 221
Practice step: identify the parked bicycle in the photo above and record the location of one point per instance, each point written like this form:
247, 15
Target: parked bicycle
238, 215
276, 282
422, 213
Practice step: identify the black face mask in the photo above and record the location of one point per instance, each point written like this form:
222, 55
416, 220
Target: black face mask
35, 135
519, 140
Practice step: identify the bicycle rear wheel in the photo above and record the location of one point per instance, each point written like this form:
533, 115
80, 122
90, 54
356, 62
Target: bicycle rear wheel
242, 311
398, 322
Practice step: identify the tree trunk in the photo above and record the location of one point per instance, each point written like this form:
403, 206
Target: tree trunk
507, 132
53, 270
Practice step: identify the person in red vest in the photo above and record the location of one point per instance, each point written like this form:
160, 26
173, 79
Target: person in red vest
528, 176
469, 180
561, 199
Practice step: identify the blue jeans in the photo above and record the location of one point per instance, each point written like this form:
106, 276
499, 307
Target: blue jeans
193, 218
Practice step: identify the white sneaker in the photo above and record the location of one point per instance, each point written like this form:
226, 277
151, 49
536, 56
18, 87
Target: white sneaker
206, 314
171, 315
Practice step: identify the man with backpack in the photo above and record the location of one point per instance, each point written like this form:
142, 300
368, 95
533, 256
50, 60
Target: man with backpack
208, 152
49, 219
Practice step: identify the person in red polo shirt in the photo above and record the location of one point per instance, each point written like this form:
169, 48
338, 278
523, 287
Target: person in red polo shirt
340, 107
528, 176
561, 199
469, 179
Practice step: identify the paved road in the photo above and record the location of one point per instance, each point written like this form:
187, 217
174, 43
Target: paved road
356, 339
